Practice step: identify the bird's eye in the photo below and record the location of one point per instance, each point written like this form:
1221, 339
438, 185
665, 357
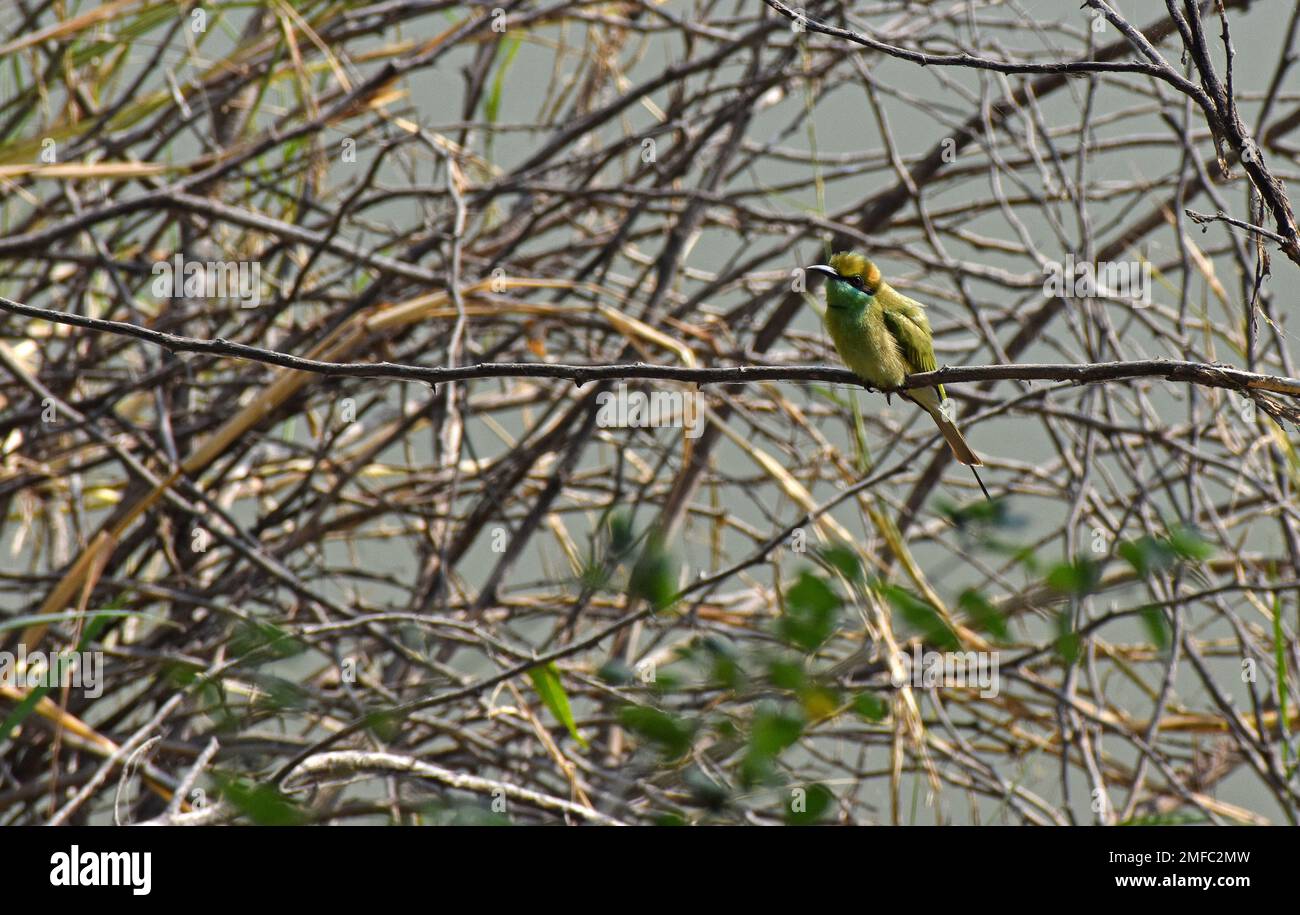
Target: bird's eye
855, 282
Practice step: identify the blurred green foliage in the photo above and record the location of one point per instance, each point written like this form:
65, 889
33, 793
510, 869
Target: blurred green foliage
260, 803
762, 703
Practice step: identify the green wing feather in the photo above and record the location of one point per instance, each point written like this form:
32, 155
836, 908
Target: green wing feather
913, 339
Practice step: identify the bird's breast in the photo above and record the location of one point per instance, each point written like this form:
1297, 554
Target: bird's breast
866, 346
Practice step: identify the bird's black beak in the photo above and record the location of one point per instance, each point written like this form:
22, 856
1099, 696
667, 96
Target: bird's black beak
824, 270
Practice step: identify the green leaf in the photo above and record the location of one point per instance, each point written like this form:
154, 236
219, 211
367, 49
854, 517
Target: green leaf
819, 702
654, 577
1188, 544
1078, 577
787, 674
546, 680
921, 617
844, 560
1068, 643
1146, 555
984, 615
664, 680
1156, 625
811, 807
724, 664
263, 804
182, 673
492, 104
812, 593
811, 611
383, 724
621, 536
256, 642
774, 730
870, 706
671, 735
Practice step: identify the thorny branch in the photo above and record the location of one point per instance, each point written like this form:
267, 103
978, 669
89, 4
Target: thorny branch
1217, 376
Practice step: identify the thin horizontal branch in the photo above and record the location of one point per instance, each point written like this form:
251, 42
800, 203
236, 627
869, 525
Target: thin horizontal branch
1207, 375
800, 20
347, 762
1202, 219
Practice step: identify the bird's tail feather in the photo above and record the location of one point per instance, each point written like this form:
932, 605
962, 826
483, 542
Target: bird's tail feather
961, 450
928, 400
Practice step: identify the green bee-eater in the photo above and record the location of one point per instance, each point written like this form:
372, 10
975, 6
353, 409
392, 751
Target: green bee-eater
883, 336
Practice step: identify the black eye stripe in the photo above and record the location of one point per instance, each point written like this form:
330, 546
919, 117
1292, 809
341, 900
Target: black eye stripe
857, 283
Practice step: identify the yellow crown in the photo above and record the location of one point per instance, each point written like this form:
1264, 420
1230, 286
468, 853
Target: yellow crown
846, 263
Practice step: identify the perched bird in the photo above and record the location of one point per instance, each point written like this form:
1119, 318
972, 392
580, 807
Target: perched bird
883, 336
